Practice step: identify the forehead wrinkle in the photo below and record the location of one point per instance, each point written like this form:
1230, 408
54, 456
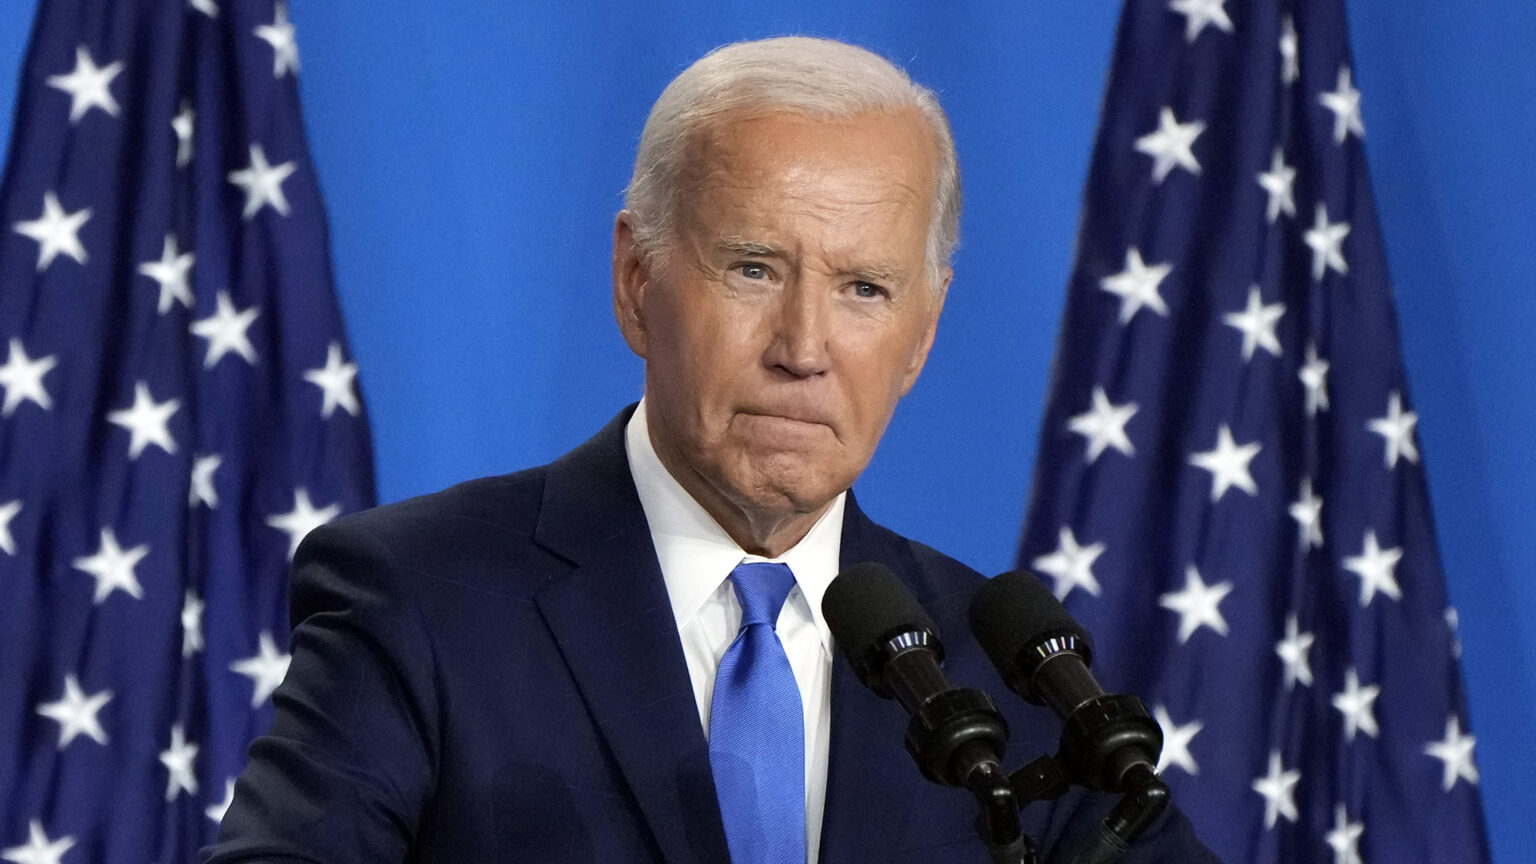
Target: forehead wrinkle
730, 180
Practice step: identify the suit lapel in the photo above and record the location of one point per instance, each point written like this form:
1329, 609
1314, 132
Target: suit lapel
613, 622
869, 780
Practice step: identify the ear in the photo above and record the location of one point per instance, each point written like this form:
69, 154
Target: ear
930, 330
631, 276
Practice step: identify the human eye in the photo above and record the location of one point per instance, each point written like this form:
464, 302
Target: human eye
869, 291
753, 270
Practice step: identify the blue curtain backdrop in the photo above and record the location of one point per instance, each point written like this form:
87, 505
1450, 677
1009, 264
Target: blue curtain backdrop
472, 156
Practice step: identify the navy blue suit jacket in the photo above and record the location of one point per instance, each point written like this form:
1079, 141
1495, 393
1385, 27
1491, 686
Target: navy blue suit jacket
493, 673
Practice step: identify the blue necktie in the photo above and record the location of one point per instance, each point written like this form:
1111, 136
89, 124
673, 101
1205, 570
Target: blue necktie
756, 730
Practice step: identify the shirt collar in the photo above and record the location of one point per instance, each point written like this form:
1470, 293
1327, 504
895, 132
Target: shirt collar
696, 554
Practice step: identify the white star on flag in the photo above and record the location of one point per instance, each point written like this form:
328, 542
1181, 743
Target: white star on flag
302, 519
285, 48
1169, 145
146, 419
1293, 651
1279, 790
1198, 604
1199, 13
1307, 510
1290, 54
1314, 377
1456, 752
1277, 183
88, 85
38, 849
1344, 839
1257, 324
1344, 102
207, 7
191, 624
225, 331
1375, 567
76, 713
56, 232
335, 382
216, 811
8, 511
263, 183
201, 490
1356, 704
266, 669
22, 378
182, 124
112, 567
1103, 426
1136, 286
1176, 741
171, 273
1397, 430
178, 760
1071, 565
1326, 240
1228, 464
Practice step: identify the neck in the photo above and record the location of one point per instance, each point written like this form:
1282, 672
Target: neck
767, 534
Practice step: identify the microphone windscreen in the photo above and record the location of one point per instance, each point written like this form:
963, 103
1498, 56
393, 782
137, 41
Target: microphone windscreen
866, 605
1013, 612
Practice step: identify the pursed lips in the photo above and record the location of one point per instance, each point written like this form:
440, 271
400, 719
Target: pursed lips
786, 414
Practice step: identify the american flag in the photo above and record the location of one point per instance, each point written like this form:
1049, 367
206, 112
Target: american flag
1229, 492
179, 409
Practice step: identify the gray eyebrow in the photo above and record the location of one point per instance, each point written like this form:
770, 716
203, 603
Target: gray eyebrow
880, 272
742, 246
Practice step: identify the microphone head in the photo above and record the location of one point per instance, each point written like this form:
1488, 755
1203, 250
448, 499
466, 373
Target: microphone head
865, 607
1018, 621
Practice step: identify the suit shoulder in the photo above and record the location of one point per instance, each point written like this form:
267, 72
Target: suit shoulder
943, 584
945, 568
476, 533
508, 502
952, 585
942, 572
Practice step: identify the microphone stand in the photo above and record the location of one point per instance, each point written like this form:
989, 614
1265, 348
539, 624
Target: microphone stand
1099, 749
1145, 798
998, 819
957, 737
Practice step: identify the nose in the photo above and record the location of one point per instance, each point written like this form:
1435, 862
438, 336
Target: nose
801, 324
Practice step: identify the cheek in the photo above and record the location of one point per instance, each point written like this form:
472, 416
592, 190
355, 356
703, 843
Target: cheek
701, 362
876, 375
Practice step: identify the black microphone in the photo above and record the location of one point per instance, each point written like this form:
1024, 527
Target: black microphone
956, 735
1109, 742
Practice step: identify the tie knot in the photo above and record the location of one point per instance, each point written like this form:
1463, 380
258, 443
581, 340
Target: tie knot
761, 588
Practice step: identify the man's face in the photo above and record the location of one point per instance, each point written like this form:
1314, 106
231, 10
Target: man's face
792, 310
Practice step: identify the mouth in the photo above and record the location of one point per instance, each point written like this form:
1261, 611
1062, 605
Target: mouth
786, 416
784, 430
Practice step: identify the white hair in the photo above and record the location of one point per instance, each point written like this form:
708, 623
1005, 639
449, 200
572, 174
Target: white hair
818, 77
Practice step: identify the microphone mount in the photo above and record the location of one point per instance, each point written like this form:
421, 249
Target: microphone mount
958, 738
1108, 743
952, 731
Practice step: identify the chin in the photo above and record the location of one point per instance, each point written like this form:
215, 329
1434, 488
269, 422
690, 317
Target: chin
800, 487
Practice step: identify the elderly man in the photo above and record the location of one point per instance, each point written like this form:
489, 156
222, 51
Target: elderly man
620, 656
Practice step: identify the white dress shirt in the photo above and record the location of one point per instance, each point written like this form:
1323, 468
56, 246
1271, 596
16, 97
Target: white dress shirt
696, 556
